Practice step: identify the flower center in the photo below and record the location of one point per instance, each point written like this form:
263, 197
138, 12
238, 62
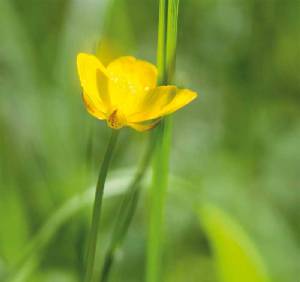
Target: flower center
116, 120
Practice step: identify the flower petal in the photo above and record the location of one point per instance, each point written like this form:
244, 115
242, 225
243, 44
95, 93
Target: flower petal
94, 80
142, 127
130, 81
181, 99
91, 108
162, 101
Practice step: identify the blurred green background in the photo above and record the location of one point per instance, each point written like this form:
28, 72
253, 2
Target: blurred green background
236, 147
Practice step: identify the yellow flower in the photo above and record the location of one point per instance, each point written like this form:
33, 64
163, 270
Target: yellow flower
126, 92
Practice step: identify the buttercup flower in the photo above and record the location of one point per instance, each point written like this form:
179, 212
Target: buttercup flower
125, 93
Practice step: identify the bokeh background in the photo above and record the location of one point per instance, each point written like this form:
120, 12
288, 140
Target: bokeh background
235, 149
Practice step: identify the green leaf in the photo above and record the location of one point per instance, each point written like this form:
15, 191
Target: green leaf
237, 258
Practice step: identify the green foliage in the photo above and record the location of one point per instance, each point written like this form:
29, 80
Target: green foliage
237, 145
236, 256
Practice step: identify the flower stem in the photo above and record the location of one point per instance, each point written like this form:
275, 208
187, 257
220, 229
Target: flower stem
166, 54
92, 243
126, 211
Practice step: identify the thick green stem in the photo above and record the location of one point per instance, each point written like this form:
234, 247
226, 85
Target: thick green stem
157, 201
166, 54
126, 212
92, 243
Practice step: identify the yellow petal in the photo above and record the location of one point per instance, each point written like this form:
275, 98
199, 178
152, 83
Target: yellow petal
142, 127
162, 101
130, 81
94, 80
181, 99
91, 108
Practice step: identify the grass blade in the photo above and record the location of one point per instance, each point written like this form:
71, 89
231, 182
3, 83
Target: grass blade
237, 258
166, 54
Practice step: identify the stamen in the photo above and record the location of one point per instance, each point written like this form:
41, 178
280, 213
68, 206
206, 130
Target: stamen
116, 119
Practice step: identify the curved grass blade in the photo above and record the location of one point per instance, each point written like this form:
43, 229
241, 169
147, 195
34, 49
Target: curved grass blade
31, 255
237, 258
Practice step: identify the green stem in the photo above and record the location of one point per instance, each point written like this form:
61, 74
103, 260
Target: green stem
157, 198
162, 42
166, 54
126, 212
92, 243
